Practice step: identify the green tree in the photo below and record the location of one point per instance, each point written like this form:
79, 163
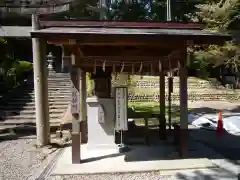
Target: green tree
218, 16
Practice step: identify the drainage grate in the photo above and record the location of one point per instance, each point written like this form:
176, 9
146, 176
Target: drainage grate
50, 166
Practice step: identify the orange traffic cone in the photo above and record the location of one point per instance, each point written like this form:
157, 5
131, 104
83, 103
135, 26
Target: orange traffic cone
220, 130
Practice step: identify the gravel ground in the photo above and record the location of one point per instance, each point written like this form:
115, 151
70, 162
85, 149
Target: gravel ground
21, 160
122, 176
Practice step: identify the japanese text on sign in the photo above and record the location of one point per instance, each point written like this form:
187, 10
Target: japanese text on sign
121, 109
75, 106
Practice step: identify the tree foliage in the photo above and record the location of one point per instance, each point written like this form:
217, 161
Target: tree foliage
217, 16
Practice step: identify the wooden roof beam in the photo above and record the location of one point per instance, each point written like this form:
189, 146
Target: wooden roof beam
126, 59
129, 65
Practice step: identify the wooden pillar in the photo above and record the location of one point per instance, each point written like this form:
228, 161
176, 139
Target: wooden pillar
170, 90
183, 103
75, 110
83, 109
162, 121
40, 87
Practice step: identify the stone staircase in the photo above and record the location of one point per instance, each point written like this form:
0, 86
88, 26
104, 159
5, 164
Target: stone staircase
20, 110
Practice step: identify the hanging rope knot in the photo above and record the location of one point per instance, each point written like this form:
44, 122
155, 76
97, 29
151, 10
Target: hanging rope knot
114, 68
104, 66
179, 64
95, 67
132, 69
122, 68
159, 66
140, 69
169, 63
152, 71
114, 72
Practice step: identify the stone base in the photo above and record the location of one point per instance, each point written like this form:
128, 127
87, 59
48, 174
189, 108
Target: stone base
101, 134
122, 148
84, 132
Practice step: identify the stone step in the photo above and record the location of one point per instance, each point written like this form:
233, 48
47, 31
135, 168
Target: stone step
59, 93
59, 80
50, 96
15, 122
63, 84
52, 89
11, 112
33, 103
58, 88
52, 99
31, 107
6, 128
52, 93
28, 117
59, 75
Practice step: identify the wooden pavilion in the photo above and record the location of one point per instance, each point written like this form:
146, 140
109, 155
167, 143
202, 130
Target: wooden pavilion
104, 47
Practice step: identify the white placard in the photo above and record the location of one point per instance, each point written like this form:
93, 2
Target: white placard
75, 103
101, 114
121, 108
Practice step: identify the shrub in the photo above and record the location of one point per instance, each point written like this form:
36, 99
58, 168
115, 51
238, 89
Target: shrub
22, 68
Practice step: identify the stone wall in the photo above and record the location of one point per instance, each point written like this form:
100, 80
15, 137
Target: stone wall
197, 90
147, 90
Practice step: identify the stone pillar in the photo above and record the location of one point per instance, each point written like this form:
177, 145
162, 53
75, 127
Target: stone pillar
183, 103
162, 106
83, 110
75, 110
101, 112
40, 87
101, 125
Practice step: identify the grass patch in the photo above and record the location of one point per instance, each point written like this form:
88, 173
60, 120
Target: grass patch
151, 108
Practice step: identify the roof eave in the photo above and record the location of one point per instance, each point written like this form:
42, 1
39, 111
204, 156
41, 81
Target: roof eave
194, 39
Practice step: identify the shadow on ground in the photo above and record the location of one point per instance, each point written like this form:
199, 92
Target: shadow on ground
227, 145
210, 174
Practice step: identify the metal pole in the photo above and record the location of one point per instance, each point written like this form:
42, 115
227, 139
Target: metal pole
121, 138
169, 15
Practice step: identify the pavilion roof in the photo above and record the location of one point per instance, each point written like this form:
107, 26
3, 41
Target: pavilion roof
110, 43
134, 30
